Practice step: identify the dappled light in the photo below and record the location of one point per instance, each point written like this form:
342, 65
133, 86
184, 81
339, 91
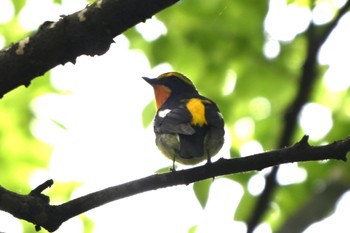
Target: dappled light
335, 53
30, 21
251, 148
263, 228
272, 48
6, 15
316, 120
284, 21
230, 82
244, 128
291, 174
152, 29
323, 12
260, 108
256, 184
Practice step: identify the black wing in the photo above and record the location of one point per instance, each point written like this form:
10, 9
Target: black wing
215, 120
174, 121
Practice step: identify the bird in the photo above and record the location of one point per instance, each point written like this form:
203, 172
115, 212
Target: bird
189, 127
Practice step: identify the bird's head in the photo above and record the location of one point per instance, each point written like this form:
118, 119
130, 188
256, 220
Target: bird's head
170, 83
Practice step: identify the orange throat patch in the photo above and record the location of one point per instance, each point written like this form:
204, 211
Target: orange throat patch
161, 94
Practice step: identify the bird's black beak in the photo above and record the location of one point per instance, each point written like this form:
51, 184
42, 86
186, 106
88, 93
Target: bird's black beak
151, 81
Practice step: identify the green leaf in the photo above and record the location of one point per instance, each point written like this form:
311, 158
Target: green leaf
88, 224
164, 170
18, 4
62, 126
192, 229
201, 190
245, 206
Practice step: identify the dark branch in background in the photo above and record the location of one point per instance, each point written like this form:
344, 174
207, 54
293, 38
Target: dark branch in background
35, 207
90, 32
323, 202
307, 81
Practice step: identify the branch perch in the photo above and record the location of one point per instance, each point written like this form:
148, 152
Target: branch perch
35, 207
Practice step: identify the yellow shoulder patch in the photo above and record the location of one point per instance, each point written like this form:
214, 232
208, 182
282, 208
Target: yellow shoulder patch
197, 110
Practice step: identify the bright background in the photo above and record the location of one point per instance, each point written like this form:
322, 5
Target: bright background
88, 126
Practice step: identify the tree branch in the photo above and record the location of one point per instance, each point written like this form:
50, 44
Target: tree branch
322, 201
89, 31
35, 206
307, 79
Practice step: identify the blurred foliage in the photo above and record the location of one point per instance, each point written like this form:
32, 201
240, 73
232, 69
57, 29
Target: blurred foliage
20, 153
201, 189
18, 4
213, 42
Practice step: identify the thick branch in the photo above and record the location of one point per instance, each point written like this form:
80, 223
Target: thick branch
36, 209
89, 31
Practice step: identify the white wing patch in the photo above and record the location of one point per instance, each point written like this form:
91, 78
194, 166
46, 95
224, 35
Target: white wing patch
220, 115
163, 113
